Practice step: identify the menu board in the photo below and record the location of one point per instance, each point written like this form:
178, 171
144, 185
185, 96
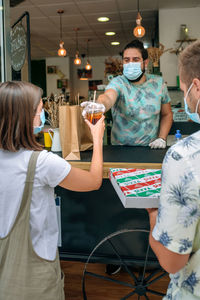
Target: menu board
18, 47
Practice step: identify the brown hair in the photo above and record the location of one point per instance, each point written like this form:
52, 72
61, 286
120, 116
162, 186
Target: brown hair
189, 63
18, 104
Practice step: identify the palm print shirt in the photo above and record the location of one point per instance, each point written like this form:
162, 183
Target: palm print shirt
178, 221
136, 112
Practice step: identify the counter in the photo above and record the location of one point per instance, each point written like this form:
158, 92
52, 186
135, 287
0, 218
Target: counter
124, 157
87, 218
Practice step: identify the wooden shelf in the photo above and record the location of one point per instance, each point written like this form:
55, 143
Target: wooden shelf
186, 41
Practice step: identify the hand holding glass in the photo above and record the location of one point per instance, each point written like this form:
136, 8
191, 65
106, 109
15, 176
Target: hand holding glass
93, 111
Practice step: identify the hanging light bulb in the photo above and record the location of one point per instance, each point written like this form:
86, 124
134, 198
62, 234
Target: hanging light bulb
139, 30
77, 60
61, 50
88, 66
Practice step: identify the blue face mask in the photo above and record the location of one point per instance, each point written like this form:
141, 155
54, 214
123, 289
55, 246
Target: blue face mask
132, 70
37, 129
193, 116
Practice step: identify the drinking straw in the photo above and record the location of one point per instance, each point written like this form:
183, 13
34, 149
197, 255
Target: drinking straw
78, 98
94, 99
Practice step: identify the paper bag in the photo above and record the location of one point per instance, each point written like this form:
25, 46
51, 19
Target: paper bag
75, 135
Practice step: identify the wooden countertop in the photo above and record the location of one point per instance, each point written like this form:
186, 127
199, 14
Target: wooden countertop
124, 157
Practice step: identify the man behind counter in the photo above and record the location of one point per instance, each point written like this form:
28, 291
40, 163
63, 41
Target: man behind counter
139, 102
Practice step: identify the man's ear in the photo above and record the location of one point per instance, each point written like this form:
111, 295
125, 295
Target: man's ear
146, 62
196, 83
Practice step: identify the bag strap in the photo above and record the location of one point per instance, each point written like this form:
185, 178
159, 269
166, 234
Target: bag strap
27, 194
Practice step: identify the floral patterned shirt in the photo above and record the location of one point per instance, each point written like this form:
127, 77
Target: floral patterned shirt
136, 112
178, 221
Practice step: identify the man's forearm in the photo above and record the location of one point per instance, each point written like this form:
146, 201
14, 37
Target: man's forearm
170, 261
152, 220
108, 99
165, 126
105, 100
156, 246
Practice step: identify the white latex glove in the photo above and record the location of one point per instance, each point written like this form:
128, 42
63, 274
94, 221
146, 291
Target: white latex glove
89, 105
159, 143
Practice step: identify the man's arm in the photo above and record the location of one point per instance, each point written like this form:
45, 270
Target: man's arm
108, 98
170, 261
166, 120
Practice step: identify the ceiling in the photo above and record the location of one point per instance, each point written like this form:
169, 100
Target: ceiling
83, 14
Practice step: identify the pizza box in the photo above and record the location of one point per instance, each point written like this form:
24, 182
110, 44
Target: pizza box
137, 188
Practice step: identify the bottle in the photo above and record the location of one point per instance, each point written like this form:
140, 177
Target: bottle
178, 135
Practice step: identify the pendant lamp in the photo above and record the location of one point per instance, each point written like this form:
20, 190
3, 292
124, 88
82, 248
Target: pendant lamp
77, 60
83, 75
88, 65
139, 30
61, 51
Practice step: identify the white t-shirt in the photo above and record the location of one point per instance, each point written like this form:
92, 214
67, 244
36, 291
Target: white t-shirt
50, 171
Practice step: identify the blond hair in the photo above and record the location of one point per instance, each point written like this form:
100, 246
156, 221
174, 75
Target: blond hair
18, 104
189, 63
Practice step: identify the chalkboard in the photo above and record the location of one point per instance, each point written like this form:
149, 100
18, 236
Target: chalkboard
18, 47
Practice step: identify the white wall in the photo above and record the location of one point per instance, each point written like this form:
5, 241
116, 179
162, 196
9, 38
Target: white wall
62, 64
79, 86
170, 21
98, 67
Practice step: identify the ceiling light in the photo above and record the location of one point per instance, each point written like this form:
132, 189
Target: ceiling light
115, 43
61, 50
88, 65
139, 30
77, 60
110, 33
103, 19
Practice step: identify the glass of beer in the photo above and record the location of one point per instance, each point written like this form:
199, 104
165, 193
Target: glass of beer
93, 114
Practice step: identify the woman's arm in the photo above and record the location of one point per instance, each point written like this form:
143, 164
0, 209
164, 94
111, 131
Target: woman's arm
80, 180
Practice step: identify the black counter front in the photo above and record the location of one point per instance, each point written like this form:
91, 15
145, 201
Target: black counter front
86, 218
128, 154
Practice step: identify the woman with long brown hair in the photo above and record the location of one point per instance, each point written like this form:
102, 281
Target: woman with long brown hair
29, 261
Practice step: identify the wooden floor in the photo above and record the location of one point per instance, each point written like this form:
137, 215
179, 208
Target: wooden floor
98, 289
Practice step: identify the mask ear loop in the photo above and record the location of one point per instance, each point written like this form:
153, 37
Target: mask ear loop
188, 90
197, 106
40, 120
